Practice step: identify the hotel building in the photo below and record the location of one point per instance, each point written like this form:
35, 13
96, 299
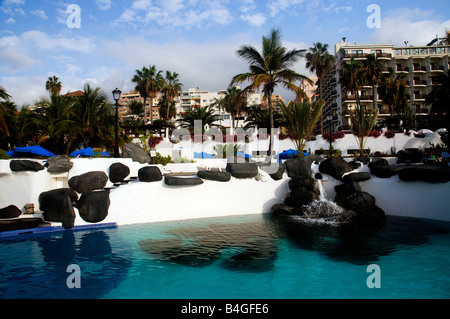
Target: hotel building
133, 95
418, 64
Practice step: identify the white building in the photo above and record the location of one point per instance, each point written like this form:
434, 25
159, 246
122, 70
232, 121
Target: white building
195, 97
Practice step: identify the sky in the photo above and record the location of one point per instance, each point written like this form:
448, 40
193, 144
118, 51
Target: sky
104, 42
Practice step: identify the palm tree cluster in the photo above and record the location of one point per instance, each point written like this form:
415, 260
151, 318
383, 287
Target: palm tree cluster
149, 82
59, 123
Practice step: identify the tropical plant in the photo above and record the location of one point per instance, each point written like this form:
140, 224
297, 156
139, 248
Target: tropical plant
260, 118
301, 119
234, 102
321, 62
361, 122
393, 91
92, 123
351, 77
148, 83
202, 115
439, 98
167, 109
226, 150
269, 68
136, 107
171, 88
56, 123
53, 85
372, 72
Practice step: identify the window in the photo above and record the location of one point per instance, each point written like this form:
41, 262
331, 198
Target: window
441, 50
415, 51
432, 50
423, 51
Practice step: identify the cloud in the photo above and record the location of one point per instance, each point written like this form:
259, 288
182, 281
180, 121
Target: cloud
103, 4
417, 26
176, 13
14, 61
256, 19
278, 6
10, 20
39, 13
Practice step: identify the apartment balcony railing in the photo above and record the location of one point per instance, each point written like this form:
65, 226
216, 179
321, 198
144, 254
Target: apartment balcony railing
437, 68
420, 82
366, 97
384, 55
420, 96
420, 68
402, 68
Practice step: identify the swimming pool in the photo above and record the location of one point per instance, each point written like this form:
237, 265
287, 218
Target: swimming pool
249, 257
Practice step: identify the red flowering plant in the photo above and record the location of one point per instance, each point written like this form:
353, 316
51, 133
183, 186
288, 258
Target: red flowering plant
153, 141
282, 137
375, 134
389, 134
199, 138
333, 136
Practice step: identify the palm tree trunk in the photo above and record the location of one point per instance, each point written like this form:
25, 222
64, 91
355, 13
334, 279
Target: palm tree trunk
269, 95
321, 99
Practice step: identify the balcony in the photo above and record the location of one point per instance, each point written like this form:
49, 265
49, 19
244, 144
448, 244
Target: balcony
418, 97
420, 83
384, 55
420, 68
435, 67
366, 98
404, 69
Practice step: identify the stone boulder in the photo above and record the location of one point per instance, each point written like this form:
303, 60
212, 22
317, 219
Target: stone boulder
359, 201
380, 168
93, 206
59, 164
215, 176
57, 206
182, 181
118, 172
150, 174
136, 153
409, 156
278, 174
335, 166
10, 211
88, 182
356, 177
25, 165
282, 210
304, 190
301, 165
429, 174
242, 170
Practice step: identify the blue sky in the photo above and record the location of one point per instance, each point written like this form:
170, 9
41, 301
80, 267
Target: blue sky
195, 38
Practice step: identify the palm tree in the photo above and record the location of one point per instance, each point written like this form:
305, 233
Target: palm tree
167, 109
53, 85
321, 62
3, 111
203, 114
55, 123
269, 68
258, 117
148, 84
361, 122
171, 88
92, 123
351, 77
301, 118
234, 102
373, 71
393, 91
439, 98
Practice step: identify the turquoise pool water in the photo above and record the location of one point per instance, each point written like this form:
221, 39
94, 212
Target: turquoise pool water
245, 257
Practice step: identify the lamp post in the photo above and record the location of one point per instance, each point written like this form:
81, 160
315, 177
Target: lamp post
329, 118
116, 95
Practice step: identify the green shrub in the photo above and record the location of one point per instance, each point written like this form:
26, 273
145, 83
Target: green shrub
163, 160
3, 154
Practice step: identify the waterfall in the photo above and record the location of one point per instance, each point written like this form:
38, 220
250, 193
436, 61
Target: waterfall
322, 209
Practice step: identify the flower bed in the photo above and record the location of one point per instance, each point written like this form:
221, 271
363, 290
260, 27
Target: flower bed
333, 136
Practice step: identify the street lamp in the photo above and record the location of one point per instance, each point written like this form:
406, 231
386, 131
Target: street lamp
329, 118
116, 95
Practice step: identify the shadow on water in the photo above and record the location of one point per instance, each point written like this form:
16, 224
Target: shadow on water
252, 246
101, 269
247, 247
362, 247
